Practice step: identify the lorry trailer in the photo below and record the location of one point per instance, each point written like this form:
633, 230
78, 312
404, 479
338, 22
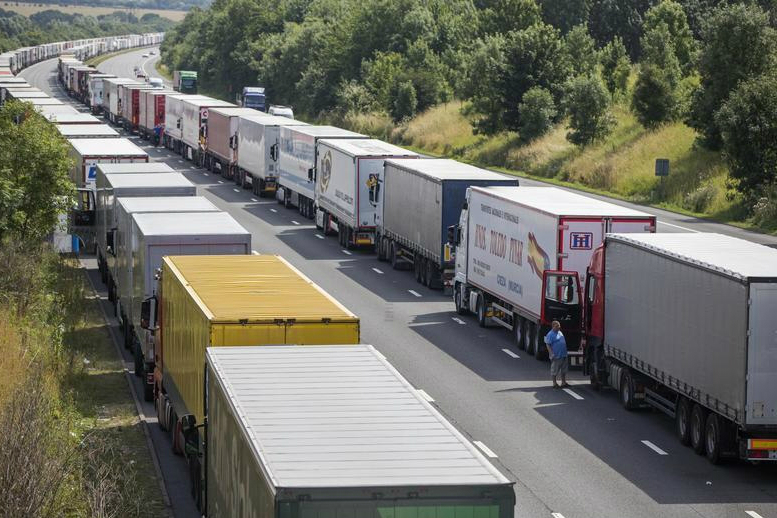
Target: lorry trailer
88, 152
154, 236
418, 200
66, 115
349, 175
94, 96
297, 164
131, 105
279, 444
111, 98
258, 147
685, 323
522, 254
173, 134
194, 126
152, 114
185, 81
86, 131
221, 144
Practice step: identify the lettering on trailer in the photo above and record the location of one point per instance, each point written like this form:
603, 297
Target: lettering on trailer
498, 246
581, 240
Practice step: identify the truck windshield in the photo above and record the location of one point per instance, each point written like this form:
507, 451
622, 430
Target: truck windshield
188, 82
395, 510
254, 101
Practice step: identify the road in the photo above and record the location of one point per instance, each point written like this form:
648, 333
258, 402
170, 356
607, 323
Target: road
574, 454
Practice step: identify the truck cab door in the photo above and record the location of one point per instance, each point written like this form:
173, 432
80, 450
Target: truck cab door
84, 212
561, 299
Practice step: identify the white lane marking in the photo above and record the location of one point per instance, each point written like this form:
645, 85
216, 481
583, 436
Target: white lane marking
180, 161
376, 270
654, 448
295, 222
459, 321
510, 353
254, 199
206, 174
678, 226
557, 515
319, 236
423, 394
192, 167
753, 514
485, 449
346, 252
573, 394
254, 252
414, 293
221, 181
273, 210
236, 190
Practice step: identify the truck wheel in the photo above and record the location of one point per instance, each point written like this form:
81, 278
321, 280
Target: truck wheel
529, 342
417, 270
481, 310
682, 418
713, 438
518, 331
138, 357
380, 247
627, 390
431, 278
698, 419
393, 254
458, 298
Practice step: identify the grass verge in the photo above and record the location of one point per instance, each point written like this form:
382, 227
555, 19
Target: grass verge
93, 62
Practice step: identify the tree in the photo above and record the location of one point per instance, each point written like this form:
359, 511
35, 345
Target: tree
738, 43
616, 66
482, 85
405, 102
656, 98
537, 111
503, 16
565, 14
581, 50
624, 18
671, 15
748, 125
34, 166
587, 103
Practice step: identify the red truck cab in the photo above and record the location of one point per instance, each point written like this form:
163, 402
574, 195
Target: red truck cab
593, 318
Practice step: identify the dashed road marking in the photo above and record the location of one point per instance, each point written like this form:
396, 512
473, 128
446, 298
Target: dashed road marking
180, 161
254, 199
254, 252
423, 394
295, 222
415, 293
485, 449
319, 236
273, 210
510, 353
236, 190
557, 515
654, 448
378, 271
459, 321
346, 252
753, 514
206, 174
221, 181
193, 167
573, 394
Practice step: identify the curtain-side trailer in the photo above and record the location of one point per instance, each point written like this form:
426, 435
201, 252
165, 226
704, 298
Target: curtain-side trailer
221, 139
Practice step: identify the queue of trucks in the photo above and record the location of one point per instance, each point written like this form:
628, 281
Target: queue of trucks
679, 322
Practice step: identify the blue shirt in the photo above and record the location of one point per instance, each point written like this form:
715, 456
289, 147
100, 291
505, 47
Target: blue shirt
557, 343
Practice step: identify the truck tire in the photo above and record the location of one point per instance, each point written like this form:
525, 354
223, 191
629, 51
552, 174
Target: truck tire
713, 438
481, 310
458, 298
530, 342
540, 353
431, 277
627, 390
682, 419
698, 422
380, 247
518, 331
417, 270
393, 255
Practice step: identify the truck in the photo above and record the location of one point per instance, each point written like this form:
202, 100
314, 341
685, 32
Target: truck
369, 446
86, 131
173, 133
131, 106
347, 171
154, 236
185, 81
521, 254
194, 125
88, 152
297, 164
253, 97
111, 97
206, 302
152, 114
66, 114
418, 200
258, 147
95, 90
221, 144
685, 323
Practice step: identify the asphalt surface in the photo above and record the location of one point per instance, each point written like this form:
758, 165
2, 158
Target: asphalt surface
575, 454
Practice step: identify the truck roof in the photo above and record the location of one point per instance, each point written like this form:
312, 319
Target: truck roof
85, 130
326, 131
119, 180
266, 119
44, 101
208, 102
136, 168
167, 204
233, 111
280, 292
63, 112
27, 93
349, 418
188, 224
119, 80
367, 147
730, 256
560, 202
106, 147
446, 169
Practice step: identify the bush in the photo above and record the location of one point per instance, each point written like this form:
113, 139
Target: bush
700, 199
536, 111
654, 100
587, 103
765, 209
405, 102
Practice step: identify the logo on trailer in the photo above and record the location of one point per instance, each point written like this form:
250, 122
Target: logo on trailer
581, 240
91, 175
326, 170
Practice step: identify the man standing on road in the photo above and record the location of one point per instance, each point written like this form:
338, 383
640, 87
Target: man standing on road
557, 351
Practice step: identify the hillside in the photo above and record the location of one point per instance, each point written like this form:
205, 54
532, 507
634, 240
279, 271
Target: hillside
26, 9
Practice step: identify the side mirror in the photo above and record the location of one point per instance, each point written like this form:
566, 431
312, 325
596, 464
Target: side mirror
453, 234
311, 175
110, 241
274, 152
148, 313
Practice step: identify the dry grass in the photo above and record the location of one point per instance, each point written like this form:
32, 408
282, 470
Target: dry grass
440, 130
27, 9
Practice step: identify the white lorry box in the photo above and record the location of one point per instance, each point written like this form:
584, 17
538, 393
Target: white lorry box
97, 90
86, 131
174, 114
195, 120
152, 109
349, 172
67, 116
298, 161
111, 99
258, 143
88, 152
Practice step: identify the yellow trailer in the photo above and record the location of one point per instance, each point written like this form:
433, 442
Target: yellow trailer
212, 301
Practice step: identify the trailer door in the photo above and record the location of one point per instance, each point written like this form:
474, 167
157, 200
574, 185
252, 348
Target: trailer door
632, 226
578, 238
762, 355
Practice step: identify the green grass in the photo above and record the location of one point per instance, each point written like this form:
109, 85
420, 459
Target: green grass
162, 70
93, 62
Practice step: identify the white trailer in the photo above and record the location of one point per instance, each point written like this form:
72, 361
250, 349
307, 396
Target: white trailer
70, 131
96, 91
174, 120
194, 124
88, 152
521, 253
111, 98
221, 139
297, 164
258, 147
348, 172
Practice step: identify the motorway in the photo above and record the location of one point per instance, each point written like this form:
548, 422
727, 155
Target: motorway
572, 454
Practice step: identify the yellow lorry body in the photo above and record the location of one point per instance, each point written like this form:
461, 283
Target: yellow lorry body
211, 301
